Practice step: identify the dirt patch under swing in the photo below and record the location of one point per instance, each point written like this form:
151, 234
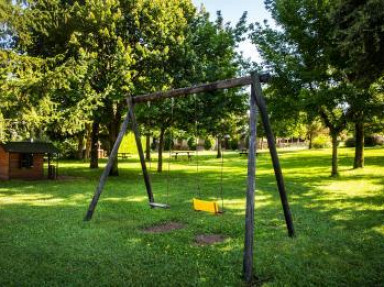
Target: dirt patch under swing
207, 239
164, 227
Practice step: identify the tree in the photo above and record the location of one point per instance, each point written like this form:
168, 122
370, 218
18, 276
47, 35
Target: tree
215, 45
358, 28
314, 127
120, 46
359, 35
206, 55
299, 55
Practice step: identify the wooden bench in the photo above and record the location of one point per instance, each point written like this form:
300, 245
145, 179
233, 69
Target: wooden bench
243, 152
188, 153
123, 155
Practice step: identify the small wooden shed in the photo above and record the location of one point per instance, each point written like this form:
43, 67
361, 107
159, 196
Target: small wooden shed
25, 160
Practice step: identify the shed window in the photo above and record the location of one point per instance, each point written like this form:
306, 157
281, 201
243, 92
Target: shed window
26, 160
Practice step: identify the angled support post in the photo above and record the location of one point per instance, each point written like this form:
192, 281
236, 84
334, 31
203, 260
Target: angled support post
250, 195
136, 132
107, 169
272, 149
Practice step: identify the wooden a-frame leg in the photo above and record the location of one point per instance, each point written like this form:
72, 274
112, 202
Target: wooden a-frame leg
250, 195
272, 148
107, 169
140, 151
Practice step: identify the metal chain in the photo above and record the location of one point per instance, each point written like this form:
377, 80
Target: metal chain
170, 150
221, 182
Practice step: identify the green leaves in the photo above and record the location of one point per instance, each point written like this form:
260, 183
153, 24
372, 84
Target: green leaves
359, 35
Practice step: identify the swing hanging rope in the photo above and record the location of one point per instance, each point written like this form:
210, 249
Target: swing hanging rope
198, 204
164, 205
170, 150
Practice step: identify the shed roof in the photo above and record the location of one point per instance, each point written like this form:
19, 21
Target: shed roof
29, 147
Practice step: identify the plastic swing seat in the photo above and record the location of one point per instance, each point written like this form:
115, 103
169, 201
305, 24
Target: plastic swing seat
205, 205
159, 205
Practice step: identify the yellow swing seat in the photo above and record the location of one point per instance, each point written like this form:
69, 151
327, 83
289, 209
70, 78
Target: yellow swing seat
205, 205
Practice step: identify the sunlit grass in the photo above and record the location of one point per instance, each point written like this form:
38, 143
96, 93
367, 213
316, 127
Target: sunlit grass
339, 224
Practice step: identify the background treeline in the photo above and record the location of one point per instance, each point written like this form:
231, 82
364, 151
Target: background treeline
67, 67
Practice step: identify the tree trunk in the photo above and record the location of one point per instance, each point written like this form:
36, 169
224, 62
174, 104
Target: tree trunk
262, 143
310, 138
148, 147
219, 155
113, 133
80, 146
88, 142
335, 165
160, 151
359, 145
95, 145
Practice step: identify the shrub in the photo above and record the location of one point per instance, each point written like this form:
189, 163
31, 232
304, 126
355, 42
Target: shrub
192, 143
350, 142
321, 141
168, 141
234, 144
208, 143
67, 150
371, 140
154, 144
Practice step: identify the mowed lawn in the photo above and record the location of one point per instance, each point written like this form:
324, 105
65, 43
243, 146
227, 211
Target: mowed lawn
339, 223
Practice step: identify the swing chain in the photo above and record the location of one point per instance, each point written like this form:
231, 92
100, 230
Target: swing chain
196, 143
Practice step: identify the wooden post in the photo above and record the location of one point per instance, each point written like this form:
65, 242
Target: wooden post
140, 151
272, 149
250, 196
107, 169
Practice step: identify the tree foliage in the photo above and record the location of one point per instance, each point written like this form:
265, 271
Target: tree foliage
359, 35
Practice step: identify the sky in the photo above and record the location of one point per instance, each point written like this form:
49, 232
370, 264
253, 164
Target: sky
232, 11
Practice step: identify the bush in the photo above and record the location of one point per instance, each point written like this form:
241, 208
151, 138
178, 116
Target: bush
369, 141
168, 141
373, 140
350, 142
321, 141
208, 143
234, 144
67, 150
192, 143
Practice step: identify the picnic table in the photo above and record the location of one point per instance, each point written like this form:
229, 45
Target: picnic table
188, 153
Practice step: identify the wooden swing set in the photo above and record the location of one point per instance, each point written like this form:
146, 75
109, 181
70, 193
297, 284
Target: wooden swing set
256, 101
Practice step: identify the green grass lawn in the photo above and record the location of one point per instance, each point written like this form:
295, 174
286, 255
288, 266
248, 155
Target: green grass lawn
339, 225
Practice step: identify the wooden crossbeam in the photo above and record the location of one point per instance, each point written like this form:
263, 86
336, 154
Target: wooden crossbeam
219, 85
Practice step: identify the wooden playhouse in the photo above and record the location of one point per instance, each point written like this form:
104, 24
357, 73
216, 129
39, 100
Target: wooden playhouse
27, 160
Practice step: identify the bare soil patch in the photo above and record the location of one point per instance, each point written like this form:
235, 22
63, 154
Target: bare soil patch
208, 239
164, 227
